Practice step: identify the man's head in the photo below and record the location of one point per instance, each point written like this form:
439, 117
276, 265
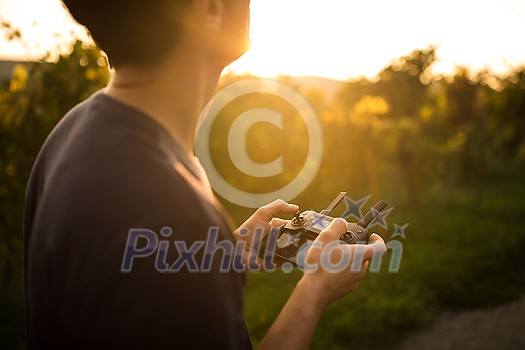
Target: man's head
138, 32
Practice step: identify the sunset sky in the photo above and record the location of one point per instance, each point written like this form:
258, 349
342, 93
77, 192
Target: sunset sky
338, 39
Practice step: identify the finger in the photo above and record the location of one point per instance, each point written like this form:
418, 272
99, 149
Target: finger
376, 238
375, 247
277, 222
334, 231
275, 208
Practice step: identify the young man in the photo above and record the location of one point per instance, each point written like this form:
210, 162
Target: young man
121, 163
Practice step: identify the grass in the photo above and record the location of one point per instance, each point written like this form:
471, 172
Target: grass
461, 253
458, 254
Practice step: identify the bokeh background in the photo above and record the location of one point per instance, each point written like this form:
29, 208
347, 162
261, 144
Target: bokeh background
430, 120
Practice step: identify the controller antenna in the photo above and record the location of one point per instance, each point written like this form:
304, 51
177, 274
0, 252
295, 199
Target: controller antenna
372, 214
334, 204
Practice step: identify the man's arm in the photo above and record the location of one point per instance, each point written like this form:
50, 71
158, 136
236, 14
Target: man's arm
295, 325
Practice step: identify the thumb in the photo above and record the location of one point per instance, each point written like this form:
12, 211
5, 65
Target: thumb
376, 245
375, 238
333, 232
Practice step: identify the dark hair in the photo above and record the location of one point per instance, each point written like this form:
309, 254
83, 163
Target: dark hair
134, 32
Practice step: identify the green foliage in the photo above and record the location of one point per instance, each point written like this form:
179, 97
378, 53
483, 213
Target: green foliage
455, 256
446, 153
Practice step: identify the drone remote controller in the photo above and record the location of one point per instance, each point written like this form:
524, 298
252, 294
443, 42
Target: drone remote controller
291, 239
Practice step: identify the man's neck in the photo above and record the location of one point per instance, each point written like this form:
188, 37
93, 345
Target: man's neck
172, 93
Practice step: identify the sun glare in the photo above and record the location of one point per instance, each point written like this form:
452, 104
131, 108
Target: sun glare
45, 26
337, 39
343, 39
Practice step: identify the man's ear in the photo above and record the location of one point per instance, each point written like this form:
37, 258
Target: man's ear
210, 13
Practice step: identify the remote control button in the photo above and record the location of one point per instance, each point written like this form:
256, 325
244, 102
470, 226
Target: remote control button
359, 232
298, 220
348, 236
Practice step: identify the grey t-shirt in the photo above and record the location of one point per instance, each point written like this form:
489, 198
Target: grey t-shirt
105, 171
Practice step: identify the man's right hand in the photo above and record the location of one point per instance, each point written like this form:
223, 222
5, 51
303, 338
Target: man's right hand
334, 270
325, 280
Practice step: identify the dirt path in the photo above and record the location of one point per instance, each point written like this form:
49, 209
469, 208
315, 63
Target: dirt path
499, 328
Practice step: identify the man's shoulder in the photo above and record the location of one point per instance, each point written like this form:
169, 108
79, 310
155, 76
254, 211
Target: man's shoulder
101, 123
101, 136
112, 162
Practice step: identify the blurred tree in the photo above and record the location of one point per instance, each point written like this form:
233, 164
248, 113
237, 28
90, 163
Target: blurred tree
466, 121
404, 85
367, 118
508, 117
